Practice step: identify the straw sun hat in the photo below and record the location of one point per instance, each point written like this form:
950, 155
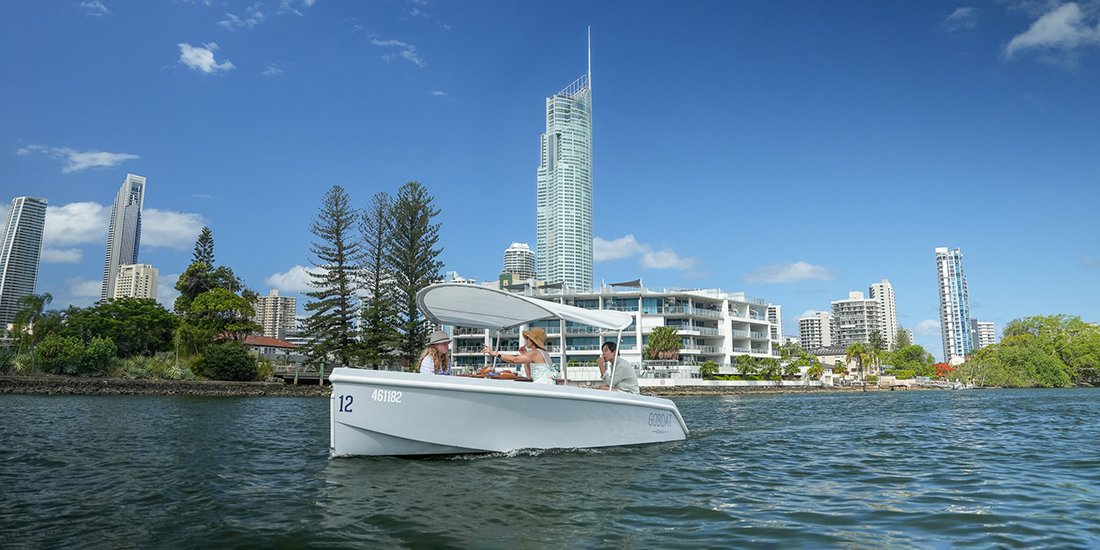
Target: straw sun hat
536, 336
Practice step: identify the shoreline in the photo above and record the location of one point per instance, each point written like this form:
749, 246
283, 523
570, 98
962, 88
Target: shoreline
70, 385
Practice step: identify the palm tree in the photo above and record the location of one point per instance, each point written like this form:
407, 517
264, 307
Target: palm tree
30, 316
664, 343
861, 354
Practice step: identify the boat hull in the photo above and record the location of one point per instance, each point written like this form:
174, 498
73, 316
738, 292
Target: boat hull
378, 413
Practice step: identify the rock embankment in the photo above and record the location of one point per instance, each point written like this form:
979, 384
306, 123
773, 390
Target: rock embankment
67, 385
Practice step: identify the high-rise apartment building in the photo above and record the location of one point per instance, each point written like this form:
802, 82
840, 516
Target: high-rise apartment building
519, 260
815, 331
276, 314
984, 333
564, 190
883, 294
854, 319
954, 305
136, 281
20, 249
124, 231
775, 317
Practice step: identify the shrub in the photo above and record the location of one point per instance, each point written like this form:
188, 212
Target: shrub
229, 361
7, 361
59, 354
265, 370
97, 356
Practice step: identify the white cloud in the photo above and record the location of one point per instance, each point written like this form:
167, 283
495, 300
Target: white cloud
85, 289
406, 51
1088, 262
615, 249
62, 255
76, 223
86, 223
927, 327
202, 58
789, 273
438, 93
962, 18
289, 6
296, 279
166, 290
93, 8
1064, 29
625, 247
272, 70
78, 160
252, 18
167, 229
810, 313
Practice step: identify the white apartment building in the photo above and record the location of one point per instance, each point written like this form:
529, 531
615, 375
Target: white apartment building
276, 314
954, 305
815, 331
519, 260
854, 319
883, 294
135, 281
713, 325
775, 317
985, 333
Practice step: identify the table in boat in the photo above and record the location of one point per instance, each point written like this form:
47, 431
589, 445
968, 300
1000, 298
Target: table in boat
495, 376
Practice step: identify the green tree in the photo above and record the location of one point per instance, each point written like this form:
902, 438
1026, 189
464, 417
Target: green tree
136, 326
226, 314
97, 357
747, 365
29, 326
229, 361
815, 371
333, 306
413, 254
378, 329
58, 354
876, 341
204, 248
664, 343
861, 354
708, 369
770, 370
902, 339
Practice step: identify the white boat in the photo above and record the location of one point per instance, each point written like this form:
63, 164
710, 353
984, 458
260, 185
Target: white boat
410, 414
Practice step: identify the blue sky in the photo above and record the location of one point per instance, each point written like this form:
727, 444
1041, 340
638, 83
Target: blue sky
792, 150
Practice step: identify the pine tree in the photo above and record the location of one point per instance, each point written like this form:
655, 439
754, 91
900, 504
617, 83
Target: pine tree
378, 332
204, 248
338, 256
413, 256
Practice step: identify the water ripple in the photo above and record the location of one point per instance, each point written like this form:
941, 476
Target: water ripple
900, 469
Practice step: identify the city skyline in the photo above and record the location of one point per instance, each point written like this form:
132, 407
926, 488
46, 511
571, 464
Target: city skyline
791, 152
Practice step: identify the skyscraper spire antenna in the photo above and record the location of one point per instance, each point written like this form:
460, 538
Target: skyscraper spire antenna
590, 57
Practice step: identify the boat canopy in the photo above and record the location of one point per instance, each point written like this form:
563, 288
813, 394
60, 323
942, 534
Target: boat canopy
482, 307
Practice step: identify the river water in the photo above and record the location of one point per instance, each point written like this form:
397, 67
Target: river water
982, 468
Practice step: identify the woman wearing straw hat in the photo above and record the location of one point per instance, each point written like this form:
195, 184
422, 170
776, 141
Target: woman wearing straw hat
435, 358
532, 356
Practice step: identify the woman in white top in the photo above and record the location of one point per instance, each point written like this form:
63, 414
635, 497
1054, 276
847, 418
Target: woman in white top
436, 357
533, 357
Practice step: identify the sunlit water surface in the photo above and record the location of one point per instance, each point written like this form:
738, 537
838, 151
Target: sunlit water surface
859, 470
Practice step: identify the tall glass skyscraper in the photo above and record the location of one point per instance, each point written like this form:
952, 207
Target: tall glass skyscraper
954, 305
124, 233
20, 250
564, 216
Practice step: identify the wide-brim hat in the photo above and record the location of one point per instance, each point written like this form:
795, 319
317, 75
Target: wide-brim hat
536, 336
438, 337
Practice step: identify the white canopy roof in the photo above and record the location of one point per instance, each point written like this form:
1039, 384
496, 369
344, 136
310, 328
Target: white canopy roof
481, 307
